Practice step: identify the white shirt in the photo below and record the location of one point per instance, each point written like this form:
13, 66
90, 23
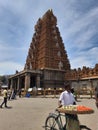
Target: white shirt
4, 93
66, 98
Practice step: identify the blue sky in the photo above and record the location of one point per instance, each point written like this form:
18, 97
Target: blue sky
77, 21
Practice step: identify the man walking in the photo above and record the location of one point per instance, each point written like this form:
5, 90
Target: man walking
4, 98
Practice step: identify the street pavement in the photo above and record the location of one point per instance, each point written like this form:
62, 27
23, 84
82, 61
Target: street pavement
31, 113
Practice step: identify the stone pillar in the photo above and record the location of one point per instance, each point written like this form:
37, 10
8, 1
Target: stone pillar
27, 81
18, 83
11, 86
38, 81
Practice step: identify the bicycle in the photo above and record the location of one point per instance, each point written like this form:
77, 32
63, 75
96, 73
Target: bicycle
57, 121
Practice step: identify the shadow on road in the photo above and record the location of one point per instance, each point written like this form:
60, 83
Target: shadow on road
9, 107
84, 127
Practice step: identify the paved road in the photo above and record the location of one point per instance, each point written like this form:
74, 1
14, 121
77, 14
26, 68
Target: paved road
30, 113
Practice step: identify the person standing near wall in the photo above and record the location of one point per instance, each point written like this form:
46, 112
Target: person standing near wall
35, 90
19, 92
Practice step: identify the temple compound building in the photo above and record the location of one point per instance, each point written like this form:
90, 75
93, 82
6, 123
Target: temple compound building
47, 61
47, 64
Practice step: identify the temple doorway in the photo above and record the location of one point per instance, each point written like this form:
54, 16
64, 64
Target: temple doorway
32, 81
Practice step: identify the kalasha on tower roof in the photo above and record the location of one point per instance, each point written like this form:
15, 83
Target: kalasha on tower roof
47, 48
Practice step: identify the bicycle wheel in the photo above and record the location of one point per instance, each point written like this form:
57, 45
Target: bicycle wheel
51, 123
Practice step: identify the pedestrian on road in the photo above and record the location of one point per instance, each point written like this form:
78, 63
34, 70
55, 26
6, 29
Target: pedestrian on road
19, 92
13, 95
67, 98
4, 98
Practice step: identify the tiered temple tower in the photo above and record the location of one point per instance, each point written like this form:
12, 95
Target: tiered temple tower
47, 52
47, 61
47, 48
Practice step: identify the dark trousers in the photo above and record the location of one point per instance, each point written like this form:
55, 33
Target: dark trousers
4, 102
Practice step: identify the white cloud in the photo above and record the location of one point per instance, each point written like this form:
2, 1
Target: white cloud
84, 21
86, 58
79, 62
10, 67
80, 38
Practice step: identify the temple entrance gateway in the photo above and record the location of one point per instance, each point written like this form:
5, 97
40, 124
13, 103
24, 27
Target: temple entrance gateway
32, 81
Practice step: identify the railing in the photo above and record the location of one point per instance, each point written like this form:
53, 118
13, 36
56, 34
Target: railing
85, 92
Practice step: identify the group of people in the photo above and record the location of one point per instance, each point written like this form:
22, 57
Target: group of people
67, 98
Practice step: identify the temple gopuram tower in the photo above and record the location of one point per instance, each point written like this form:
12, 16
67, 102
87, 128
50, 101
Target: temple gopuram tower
47, 52
47, 61
47, 48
